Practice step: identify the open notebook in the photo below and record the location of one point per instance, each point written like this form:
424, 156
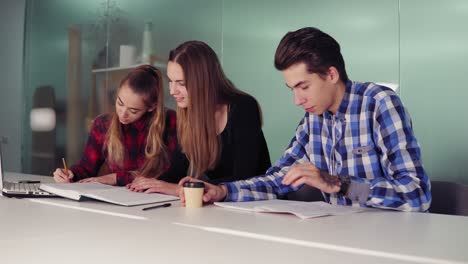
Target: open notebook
105, 193
301, 209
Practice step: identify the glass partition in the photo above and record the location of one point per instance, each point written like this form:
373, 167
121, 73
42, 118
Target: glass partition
75, 53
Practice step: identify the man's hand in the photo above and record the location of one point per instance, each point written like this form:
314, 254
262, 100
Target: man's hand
151, 185
212, 193
307, 173
109, 179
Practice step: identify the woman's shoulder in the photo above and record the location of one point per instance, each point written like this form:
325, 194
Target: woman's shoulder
244, 100
102, 120
171, 116
100, 125
244, 109
170, 113
171, 119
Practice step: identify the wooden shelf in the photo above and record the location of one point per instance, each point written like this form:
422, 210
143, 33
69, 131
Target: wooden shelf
158, 65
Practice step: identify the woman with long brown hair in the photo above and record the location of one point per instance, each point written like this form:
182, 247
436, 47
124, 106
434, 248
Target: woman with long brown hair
219, 127
135, 140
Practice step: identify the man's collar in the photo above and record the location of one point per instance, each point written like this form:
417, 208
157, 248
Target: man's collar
342, 109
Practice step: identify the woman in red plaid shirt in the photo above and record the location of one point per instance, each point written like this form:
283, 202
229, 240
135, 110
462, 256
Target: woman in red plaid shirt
135, 141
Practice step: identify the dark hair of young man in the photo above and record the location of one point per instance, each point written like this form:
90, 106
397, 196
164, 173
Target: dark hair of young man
318, 50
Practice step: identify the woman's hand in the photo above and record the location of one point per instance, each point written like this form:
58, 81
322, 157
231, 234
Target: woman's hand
61, 177
212, 193
109, 179
151, 185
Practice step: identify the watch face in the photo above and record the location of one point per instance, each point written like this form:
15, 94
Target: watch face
345, 182
330, 179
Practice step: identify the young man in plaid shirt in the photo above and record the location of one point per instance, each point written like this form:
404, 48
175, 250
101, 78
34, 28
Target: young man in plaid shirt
355, 142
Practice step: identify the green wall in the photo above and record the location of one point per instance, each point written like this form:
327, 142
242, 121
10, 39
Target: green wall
420, 45
11, 51
434, 78
122, 22
45, 59
367, 31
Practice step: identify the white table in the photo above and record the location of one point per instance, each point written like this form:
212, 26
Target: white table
56, 230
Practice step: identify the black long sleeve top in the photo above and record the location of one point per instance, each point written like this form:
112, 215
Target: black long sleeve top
244, 151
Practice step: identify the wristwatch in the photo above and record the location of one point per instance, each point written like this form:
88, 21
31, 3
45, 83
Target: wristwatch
345, 183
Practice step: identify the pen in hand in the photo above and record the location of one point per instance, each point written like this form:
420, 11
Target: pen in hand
65, 168
156, 206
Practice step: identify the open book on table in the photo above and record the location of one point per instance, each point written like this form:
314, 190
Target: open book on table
105, 193
301, 209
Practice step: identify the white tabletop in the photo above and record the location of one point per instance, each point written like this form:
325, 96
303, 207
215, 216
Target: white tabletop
64, 231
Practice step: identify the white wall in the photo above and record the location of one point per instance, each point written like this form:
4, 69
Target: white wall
12, 14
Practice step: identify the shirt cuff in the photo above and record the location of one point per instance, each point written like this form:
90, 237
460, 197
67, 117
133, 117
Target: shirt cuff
77, 176
123, 178
358, 191
229, 194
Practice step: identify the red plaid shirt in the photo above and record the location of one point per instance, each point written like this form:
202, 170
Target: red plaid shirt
134, 138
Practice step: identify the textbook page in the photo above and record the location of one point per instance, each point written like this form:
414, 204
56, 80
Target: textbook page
301, 209
106, 193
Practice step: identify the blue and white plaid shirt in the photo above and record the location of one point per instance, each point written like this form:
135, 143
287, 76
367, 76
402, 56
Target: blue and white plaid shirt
370, 139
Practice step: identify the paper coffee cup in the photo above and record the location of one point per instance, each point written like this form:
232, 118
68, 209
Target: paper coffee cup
193, 192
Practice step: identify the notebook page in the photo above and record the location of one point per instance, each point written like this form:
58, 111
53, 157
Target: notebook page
258, 206
300, 209
123, 196
79, 187
72, 190
311, 209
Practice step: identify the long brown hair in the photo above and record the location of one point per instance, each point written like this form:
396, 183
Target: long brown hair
207, 88
145, 81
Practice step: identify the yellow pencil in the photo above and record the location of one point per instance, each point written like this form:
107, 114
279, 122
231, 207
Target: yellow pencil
65, 166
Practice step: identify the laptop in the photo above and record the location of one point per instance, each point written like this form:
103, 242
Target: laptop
21, 188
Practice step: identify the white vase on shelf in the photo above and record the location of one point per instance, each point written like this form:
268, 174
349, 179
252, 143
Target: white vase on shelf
127, 55
147, 43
